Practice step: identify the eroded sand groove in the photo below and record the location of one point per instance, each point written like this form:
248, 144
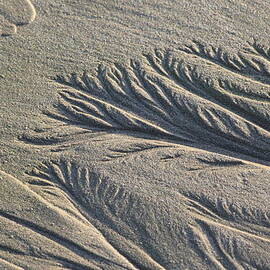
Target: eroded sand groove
14, 13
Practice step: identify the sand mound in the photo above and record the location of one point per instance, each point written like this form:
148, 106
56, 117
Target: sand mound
14, 13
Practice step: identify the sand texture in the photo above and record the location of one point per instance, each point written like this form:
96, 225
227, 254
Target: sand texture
134, 135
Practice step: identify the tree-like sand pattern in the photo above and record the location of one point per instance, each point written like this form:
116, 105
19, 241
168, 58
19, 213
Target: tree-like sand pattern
198, 96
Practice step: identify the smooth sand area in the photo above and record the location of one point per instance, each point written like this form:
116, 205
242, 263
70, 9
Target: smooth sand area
134, 135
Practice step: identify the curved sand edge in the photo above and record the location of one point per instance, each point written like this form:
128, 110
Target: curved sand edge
14, 14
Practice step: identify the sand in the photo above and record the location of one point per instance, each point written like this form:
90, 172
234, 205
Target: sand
134, 134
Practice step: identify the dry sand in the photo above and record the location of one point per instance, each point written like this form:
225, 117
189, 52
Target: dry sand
134, 134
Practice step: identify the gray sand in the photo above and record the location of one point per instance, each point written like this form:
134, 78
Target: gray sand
134, 134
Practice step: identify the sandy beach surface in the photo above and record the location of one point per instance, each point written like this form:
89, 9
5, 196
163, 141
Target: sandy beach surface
134, 134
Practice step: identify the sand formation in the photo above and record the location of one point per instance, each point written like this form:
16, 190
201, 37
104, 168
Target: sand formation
160, 111
202, 96
161, 162
14, 13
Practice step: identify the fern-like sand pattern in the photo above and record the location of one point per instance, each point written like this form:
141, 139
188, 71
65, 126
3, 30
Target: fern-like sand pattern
167, 99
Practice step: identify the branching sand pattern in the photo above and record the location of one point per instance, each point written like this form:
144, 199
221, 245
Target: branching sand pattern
119, 211
200, 97
168, 99
15, 13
